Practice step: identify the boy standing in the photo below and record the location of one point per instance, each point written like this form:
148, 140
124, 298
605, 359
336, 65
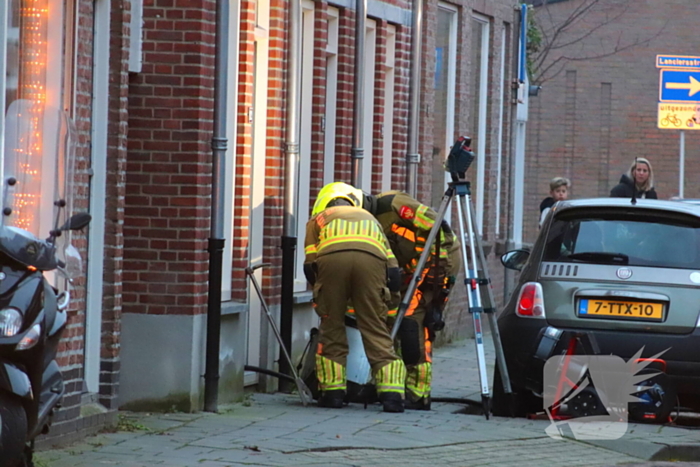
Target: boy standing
558, 191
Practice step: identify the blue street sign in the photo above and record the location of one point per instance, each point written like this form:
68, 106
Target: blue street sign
679, 86
677, 61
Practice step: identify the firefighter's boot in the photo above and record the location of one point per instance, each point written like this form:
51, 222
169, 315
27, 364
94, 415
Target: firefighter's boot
331, 382
332, 399
418, 381
390, 385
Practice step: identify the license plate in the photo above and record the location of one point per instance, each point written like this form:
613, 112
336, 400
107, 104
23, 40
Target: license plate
645, 311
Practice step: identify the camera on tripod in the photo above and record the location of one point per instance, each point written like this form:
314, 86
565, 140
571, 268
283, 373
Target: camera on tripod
459, 159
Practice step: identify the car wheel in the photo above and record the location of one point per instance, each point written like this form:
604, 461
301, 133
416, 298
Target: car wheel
520, 403
13, 423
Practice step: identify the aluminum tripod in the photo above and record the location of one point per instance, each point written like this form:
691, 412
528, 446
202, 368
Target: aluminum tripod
472, 281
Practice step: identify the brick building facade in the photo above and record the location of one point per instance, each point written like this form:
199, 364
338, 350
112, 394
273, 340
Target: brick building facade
590, 121
144, 99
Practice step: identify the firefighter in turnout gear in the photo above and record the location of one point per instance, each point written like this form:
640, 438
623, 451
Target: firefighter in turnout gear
348, 258
406, 223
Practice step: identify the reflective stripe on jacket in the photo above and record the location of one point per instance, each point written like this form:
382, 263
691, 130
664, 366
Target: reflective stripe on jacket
346, 228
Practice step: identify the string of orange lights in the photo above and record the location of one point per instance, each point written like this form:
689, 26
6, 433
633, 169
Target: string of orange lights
34, 16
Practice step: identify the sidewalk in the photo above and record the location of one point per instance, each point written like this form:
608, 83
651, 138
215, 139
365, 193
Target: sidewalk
276, 430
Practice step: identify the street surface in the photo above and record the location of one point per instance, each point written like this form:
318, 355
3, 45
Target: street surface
276, 430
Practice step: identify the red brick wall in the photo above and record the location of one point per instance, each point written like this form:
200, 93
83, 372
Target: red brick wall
68, 426
168, 181
590, 122
114, 215
276, 137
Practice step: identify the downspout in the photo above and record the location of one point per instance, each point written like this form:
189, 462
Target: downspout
412, 155
216, 241
521, 128
515, 233
291, 191
358, 152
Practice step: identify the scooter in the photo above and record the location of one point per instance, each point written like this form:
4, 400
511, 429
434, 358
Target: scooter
33, 298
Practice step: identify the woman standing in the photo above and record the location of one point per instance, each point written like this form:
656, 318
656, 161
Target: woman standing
639, 180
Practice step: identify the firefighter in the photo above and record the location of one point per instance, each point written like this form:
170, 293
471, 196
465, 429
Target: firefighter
406, 223
348, 258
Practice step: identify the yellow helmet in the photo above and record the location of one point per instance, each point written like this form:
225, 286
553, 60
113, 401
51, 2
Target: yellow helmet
336, 190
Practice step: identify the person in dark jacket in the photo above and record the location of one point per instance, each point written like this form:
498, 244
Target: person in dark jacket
639, 180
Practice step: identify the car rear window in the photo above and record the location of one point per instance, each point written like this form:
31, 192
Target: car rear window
636, 238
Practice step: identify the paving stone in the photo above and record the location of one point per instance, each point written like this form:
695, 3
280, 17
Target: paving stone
276, 430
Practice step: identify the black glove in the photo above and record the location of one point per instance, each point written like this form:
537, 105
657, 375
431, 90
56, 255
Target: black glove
393, 279
310, 270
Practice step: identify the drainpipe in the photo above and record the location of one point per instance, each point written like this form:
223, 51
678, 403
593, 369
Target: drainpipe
216, 241
412, 156
291, 192
358, 153
520, 111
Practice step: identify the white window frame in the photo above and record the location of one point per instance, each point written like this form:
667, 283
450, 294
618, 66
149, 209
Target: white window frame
3, 74
501, 94
98, 194
388, 125
331, 96
256, 224
305, 138
230, 168
368, 108
136, 36
482, 122
451, 84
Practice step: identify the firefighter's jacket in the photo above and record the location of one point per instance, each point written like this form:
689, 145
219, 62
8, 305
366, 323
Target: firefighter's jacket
346, 228
407, 223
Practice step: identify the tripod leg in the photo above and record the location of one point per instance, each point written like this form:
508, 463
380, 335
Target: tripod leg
474, 296
491, 313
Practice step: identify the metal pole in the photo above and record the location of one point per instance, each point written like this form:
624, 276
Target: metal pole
681, 170
413, 156
358, 153
216, 241
291, 190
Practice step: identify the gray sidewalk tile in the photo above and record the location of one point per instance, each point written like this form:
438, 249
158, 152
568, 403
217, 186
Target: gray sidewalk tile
275, 430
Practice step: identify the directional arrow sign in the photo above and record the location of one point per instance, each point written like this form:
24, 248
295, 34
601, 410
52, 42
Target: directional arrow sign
679, 86
693, 86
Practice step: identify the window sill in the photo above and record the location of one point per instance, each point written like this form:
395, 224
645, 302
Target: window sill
233, 308
306, 296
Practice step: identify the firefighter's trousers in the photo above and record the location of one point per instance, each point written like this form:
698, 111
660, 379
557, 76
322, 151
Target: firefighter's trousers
361, 278
416, 347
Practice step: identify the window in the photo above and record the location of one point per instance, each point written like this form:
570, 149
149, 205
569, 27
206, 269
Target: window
331, 97
626, 239
368, 111
501, 125
388, 127
307, 57
231, 135
479, 97
36, 40
444, 84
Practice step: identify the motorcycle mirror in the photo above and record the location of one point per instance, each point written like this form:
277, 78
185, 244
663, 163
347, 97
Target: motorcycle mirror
77, 221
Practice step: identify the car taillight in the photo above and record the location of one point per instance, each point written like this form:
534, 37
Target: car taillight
531, 301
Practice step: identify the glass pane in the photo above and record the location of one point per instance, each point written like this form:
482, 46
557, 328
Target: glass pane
12, 74
442, 86
475, 92
621, 239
